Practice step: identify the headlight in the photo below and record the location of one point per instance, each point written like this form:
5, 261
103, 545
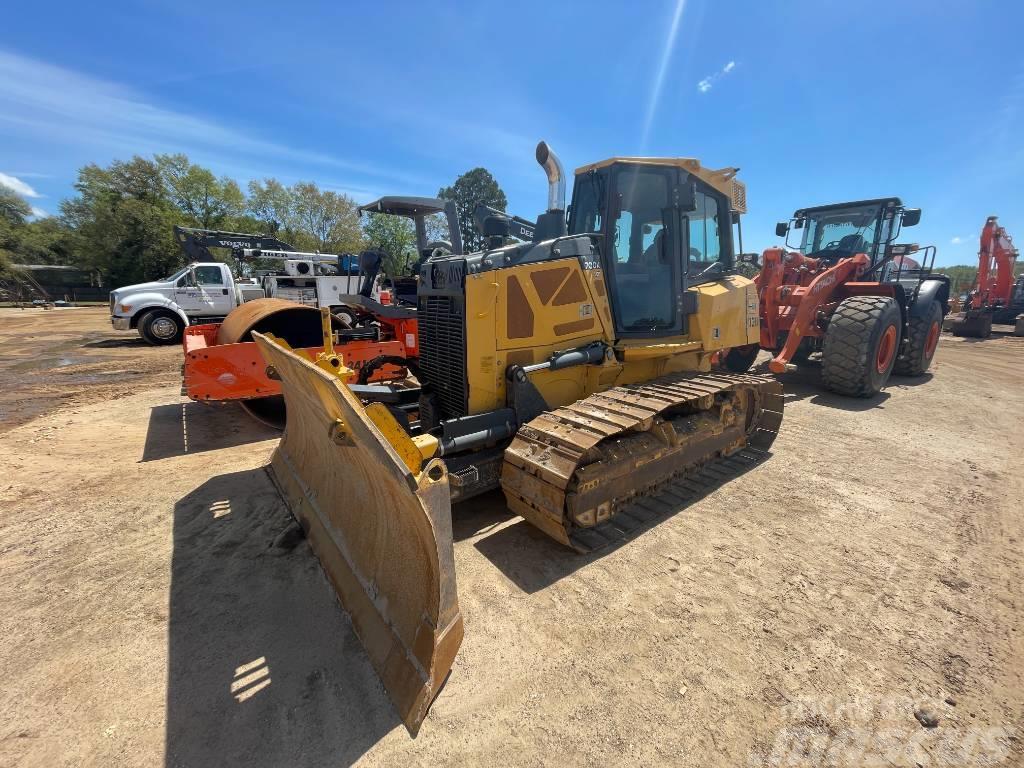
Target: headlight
126, 307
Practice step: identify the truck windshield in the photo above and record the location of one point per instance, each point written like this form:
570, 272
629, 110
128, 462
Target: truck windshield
175, 276
839, 233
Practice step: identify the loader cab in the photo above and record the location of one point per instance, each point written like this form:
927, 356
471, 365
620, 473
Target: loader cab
841, 230
662, 229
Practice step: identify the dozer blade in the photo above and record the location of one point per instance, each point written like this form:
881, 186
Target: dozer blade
383, 533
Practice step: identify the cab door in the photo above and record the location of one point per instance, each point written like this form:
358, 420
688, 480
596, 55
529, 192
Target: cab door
188, 296
214, 297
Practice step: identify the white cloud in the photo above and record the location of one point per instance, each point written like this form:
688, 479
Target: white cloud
708, 82
957, 240
19, 186
39, 213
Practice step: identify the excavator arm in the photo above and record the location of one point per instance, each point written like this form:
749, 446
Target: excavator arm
996, 258
196, 243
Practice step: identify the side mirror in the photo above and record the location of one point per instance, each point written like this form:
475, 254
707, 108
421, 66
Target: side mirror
911, 216
781, 229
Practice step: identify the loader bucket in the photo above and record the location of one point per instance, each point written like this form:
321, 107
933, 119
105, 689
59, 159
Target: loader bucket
382, 532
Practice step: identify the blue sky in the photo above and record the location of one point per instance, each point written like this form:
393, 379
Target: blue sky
815, 101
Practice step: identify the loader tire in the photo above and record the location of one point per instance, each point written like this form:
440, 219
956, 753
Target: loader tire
860, 345
920, 347
161, 327
739, 359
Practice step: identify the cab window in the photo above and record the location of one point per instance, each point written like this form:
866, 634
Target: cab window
644, 270
209, 276
705, 242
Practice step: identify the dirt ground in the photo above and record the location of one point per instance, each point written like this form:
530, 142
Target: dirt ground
797, 616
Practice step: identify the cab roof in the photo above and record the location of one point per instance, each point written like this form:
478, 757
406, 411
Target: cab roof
404, 206
723, 179
885, 202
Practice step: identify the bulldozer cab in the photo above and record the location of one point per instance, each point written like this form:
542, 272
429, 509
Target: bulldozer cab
663, 229
838, 231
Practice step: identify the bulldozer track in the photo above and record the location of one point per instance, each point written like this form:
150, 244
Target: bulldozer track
666, 500
554, 459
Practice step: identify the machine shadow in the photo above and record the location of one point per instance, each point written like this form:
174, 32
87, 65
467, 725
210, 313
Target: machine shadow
805, 383
180, 428
125, 343
533, 560
263, 666
479, 515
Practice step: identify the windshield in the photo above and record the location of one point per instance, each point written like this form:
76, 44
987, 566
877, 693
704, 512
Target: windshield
840, 233
175, 276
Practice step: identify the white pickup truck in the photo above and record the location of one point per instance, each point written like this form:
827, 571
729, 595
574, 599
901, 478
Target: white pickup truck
207, 292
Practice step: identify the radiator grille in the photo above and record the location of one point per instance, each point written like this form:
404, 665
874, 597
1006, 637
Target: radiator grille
443, 351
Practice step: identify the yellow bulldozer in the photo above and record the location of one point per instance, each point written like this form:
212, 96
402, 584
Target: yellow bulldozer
575, 372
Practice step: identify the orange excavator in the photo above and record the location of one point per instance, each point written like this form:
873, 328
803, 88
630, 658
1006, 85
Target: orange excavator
996, 297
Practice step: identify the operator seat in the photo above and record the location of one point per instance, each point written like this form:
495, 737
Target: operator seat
851, 244
654, 254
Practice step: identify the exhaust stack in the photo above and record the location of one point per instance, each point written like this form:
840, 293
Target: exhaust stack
556, 176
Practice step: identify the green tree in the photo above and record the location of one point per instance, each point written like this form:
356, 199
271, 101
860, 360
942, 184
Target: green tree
273, 205
122, 221
13, 209
473, 187
5, 264
396, 237
329, 218
205, 200
42, 241
46, 241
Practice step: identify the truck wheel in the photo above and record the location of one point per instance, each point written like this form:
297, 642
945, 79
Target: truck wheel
161, 327
739, 359
860, 345
924, 338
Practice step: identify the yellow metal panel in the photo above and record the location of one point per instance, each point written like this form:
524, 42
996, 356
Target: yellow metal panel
721, 320
486, 381
753, 316
559, 322
726, 317
397, 438
549, 315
